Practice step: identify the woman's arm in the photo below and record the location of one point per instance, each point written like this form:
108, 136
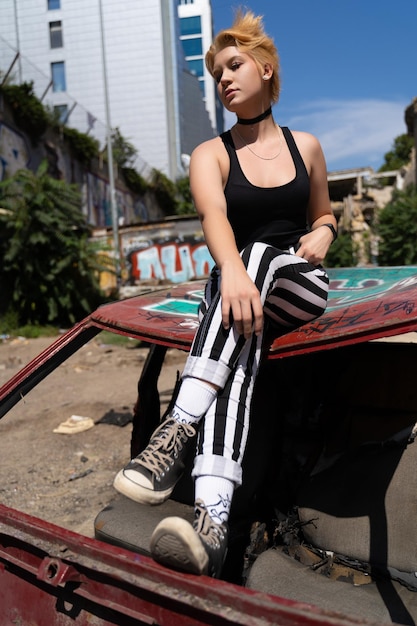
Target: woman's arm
315, 244
240, 296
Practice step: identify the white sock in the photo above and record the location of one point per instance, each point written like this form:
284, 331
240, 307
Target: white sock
194, 399
217, 494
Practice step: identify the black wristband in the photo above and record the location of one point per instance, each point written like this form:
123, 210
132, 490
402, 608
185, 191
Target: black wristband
332, 228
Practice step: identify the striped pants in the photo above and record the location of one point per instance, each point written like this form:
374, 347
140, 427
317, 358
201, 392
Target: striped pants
293, 292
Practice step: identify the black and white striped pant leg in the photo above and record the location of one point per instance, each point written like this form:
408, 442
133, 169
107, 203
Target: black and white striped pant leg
215, 350
224, 432
299, 294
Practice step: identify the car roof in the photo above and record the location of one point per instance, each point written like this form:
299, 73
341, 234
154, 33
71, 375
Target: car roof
364, 303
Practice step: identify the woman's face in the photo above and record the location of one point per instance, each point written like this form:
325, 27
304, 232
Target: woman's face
238, 78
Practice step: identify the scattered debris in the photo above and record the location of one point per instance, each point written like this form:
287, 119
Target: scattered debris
80, 474
115, 418
74, 424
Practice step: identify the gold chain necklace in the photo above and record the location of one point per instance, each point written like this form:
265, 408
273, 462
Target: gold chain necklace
258, 155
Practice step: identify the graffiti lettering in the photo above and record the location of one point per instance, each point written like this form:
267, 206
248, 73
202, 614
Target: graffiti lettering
392, 307
203, 261
176, 262
355, 286
169, 255
147, 264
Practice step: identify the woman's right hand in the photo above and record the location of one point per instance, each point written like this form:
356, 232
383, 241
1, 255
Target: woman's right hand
241, 300
209, 169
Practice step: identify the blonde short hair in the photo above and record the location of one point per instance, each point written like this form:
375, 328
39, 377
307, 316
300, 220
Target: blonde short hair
248, 35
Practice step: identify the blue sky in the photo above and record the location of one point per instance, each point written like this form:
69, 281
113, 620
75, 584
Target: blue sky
348, 71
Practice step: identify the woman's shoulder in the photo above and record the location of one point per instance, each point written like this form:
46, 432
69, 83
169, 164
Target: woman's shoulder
211, 159
304, 138
210, 148
311, 152
210, 144
308, 145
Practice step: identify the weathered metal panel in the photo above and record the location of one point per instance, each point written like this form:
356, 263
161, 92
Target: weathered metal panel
49, 575
364, 304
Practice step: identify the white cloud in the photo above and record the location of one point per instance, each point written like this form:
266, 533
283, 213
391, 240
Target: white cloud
353, 133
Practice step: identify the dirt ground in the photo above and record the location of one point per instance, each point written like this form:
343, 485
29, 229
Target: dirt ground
67, 478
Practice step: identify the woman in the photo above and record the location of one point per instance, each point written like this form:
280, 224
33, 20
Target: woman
262, 196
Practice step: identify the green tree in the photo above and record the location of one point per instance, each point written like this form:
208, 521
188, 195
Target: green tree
124, 152
134, 181
28, 111
397, 229
399, 155
165, 192
185, 201
340, 253
49, 270
83, 147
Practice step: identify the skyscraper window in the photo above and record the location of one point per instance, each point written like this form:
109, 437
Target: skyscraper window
61, 111
54, 4
190, 25
55, 34
196, 66
58, 76
192, 47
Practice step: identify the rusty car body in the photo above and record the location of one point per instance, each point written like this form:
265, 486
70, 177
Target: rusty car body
50, 575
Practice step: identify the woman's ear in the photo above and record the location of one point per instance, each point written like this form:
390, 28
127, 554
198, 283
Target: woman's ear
268, 71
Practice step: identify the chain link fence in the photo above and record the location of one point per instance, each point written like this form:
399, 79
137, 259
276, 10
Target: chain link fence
16, 69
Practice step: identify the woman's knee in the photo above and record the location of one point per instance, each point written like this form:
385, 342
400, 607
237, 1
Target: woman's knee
255, 248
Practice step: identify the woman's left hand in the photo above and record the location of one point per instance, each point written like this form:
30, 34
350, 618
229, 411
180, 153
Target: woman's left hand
315, 244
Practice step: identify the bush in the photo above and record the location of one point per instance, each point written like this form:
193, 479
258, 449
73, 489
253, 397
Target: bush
397, 229
134, 181
399, 155
83, 147
340, 253
49, 270
28, 112
185, 202
124, 152
165, 192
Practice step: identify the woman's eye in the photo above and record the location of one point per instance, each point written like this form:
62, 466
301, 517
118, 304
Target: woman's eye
235, 66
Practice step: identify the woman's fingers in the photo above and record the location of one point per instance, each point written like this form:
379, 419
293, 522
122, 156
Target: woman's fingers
247, 316
258, 316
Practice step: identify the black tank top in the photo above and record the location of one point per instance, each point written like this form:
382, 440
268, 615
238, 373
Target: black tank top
273, 215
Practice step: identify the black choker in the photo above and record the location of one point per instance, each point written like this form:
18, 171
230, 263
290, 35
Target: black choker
255, 120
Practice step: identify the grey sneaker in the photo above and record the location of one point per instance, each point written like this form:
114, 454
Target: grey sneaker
199, 548
151, 477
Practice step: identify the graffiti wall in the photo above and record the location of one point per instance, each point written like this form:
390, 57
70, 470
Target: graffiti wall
17, 152
172, 251
14, 152
162, 251
97, 205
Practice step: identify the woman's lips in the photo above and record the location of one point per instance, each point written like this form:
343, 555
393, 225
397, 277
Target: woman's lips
229, 93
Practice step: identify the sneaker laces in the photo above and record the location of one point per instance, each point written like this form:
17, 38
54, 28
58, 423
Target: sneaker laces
210, 533
167, 441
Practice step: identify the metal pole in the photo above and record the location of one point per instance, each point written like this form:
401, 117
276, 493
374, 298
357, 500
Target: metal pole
16, 21
113, 205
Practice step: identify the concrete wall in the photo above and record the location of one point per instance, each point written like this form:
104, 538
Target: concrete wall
17, 151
